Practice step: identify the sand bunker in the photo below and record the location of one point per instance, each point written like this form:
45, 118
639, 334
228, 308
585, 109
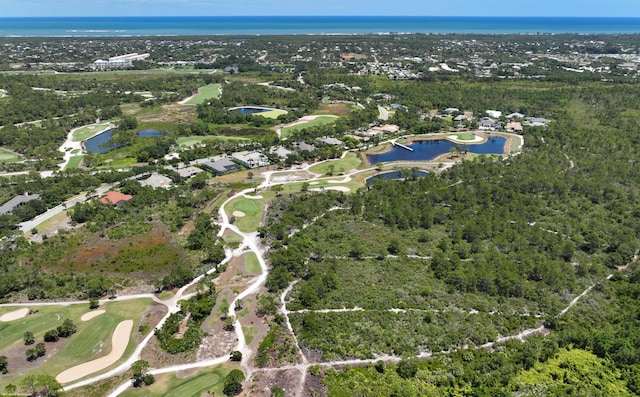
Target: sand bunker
475, 139
238, 214
119, 342
90, 315
16, 315
314, 183
338, 188
254, 197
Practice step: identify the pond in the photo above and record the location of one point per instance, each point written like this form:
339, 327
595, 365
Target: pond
252, 110
430, 149
398, 174
102, 143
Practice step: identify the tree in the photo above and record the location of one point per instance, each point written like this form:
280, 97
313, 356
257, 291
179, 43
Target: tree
4, 364
139, 373
40, 349
31, 354
28, 338
51, 336
407, 368
10, 389
67, 329
236, 356
233, 383
93, 303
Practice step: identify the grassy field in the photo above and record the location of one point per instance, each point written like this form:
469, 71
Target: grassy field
321, 120
74, 162
252, 210
271, 114
348, 163
8, 157
251, 263
88, 131
126, 162
250, 332
92, 340
193, 140
464, 137
169, 385
211, 91
49, 224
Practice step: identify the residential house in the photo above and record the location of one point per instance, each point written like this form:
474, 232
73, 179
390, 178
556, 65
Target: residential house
251, 159
302, 146
281, 151
222, 166
188, 172
488, 125
513, 126
115, 198
537, 121
330, 141
494, 113
515, 116
157, 181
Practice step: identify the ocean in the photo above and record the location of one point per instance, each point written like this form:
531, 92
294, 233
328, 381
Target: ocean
187, 26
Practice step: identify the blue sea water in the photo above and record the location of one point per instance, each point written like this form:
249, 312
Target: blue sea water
184, 26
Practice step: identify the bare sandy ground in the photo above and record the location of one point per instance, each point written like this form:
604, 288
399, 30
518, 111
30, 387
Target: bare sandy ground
119, 342
16, 315
238, 214
254, 197
90, 315
344, 180
338, 188
455, 138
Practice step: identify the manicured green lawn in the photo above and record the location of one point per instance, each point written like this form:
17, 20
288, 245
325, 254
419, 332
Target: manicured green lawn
88, 131
464, 137
252, 210
348, 163
321, 120
271, 114
74, 162
211, 91
126, 162
169, 385
251, 263
8, 157
92, 339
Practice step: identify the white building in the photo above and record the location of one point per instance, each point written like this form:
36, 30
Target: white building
120, 61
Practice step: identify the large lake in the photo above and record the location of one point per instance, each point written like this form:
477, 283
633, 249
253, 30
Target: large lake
430, 149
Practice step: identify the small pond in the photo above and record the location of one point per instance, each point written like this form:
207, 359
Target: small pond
102, 143
398, 174
430, 149
252, 110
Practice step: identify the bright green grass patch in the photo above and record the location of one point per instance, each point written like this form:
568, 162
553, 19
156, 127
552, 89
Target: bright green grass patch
232, 238
320, 120
74, 162
252, 210
464, 137
271, 114
164, 295
75, 151
211, 91
88, 131
126, 162
251, 263
574, 367
8, 157
193, 140
250, 333
169, 385
336, 167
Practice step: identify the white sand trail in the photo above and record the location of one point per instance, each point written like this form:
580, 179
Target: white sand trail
119, 342
16, 315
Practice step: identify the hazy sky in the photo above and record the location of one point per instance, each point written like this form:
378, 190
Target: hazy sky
612, 8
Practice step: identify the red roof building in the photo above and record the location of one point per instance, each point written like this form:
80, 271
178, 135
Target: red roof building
115, 198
